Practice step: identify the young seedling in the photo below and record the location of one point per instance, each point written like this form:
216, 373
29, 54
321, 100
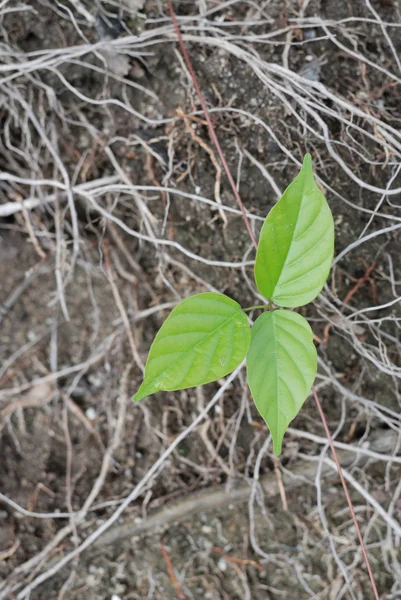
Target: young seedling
206, 336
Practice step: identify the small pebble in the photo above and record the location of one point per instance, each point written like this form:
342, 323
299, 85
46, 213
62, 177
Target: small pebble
309, 34
91, 414
222, 565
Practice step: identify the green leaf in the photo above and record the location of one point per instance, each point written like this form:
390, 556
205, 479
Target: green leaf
296, 244
281, 365
204, 338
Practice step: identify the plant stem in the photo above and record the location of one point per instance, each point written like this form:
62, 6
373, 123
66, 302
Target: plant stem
268, 306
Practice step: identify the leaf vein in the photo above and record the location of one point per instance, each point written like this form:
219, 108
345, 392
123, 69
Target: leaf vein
213, 332
303, 254
283, 348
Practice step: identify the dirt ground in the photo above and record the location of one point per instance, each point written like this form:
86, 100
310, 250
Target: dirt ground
113, 207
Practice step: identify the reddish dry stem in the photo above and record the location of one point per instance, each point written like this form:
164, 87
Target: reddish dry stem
360, 281
210, 124
346, 493
237, 561
352, 291
171, 573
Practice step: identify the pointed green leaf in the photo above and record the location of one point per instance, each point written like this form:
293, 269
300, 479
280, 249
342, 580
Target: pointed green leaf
296, 244
204, 338
281, 365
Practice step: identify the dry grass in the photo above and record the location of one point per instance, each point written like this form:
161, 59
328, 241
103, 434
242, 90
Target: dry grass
96, 184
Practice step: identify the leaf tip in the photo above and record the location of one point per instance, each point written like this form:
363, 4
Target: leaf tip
139, 395
307, 164
277, 443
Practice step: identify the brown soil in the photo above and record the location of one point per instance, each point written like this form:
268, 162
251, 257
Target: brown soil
66, 373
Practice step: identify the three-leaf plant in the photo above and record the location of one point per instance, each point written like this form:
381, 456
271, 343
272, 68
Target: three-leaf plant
207, 336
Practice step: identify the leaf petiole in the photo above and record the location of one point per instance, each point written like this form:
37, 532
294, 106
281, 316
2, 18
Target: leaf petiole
268, 306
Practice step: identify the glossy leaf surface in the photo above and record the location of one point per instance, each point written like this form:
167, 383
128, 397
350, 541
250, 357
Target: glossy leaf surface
296, 244
204, 338
281, 365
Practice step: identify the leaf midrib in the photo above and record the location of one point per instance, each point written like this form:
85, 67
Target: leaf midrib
277, 373
292, 234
